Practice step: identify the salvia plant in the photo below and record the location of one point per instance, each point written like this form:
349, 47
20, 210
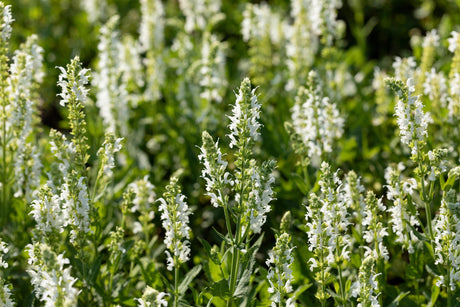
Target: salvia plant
153, 172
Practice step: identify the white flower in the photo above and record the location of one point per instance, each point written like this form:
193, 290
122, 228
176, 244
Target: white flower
280, 273
446, 228
316, 120
175, 216
412, 121
111, 96
454, 41
246, 113
151, 29
152, 298
366, 287
198, 13
431, 39
401, 218
260, 196
7, 20
52, 283
144, 195
214, 170
435, 87
404, 68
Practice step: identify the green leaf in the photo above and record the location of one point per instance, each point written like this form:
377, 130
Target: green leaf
398, 299
434, 295
188, 279
220, 289
224, 238
300, 290
449, 183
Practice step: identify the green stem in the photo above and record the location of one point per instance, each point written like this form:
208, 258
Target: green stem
176, 286
235, 263
4, 187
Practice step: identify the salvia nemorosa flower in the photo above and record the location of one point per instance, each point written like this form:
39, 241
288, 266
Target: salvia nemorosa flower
5, 292
403, 216
175, 216
214, 170
412, 120
111, 97
50, 276
198, 13
152, 298
7, 20
107, 152
446, 243
366, 287
316, 120
280, 273
374, 231
151, 28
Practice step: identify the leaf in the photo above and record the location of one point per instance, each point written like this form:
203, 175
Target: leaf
449, 183
243, 282
214, 258
434, 295
188, 279
220, 289
300, 183
94, 272
398, 299
300, 290
224, 238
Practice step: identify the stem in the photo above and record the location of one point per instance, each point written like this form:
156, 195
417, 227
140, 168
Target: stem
323, 281
176, 287
342, 291
4, 209
235, 263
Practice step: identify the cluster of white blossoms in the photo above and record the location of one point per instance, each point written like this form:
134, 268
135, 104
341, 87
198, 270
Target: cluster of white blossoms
402, 217
333, 221
374, 230
454, 77
412, 120
5, 292
7, 20
316, 120
107, 152
214, 170
151, 29
279, 274
111, 96
212, 73
198, 13
366, 287
175, 216
435, 87
25, 74
245, 118
404, 68
53, 284
151, 42
260, 195
261, 22
446, 230
152, 298
314, 22
144, 195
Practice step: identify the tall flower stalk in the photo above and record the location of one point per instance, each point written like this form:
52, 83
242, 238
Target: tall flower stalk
250, 183
328, 221
175, 216
280, 273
